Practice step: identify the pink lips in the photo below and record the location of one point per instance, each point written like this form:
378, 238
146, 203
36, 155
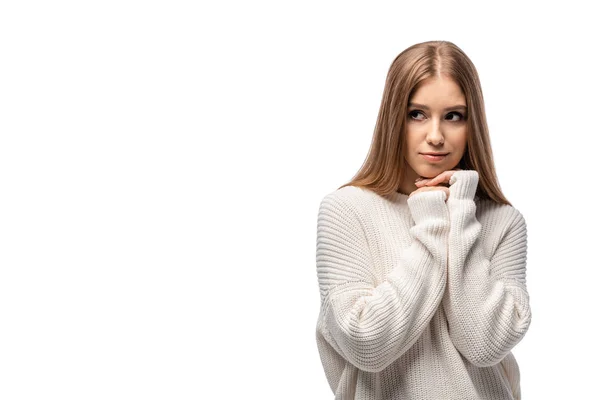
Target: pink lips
433, 158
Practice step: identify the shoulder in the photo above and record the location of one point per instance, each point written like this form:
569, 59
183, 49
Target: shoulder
342, 214
349, 196
499, 215
352, 199
502, 225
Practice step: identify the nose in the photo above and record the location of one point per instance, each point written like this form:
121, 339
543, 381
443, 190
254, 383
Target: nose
434, 135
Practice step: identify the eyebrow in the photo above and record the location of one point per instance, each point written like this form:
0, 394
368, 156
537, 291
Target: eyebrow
458, 106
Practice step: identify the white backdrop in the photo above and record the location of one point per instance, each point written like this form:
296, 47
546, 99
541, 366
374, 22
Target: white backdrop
162, 163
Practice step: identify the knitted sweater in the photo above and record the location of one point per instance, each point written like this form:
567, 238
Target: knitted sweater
421, 298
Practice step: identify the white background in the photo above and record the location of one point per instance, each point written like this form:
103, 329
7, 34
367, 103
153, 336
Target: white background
162, 162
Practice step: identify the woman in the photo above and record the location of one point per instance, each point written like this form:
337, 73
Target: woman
421, 260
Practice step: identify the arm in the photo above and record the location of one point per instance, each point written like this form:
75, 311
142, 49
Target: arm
486, 303
372, 325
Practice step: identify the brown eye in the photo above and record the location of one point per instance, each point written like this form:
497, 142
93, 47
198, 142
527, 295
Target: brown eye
413, 114
460, 116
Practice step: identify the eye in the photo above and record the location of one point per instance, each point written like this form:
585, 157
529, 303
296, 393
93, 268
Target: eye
414, 113
458, 114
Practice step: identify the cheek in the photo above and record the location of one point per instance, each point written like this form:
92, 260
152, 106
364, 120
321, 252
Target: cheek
455, 160
460, 148
412, 143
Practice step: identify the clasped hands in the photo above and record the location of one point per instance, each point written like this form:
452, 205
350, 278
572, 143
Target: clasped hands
440, 182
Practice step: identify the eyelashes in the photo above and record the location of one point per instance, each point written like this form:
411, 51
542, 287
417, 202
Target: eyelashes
412, 114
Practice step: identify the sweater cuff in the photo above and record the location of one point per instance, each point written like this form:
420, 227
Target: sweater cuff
428, 205
463, 184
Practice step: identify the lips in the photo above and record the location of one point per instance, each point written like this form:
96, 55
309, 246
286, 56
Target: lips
434, 157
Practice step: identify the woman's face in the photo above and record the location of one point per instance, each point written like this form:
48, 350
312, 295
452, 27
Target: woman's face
436, 123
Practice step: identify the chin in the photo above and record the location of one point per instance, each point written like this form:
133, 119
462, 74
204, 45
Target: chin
428, 173
431, 171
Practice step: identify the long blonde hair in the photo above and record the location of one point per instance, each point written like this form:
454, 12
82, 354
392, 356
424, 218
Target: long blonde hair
384, 167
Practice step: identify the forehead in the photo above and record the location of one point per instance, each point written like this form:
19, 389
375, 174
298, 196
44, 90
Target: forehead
438, 91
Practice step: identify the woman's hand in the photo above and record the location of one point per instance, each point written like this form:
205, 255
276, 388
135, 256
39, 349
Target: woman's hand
440, 182
443, 178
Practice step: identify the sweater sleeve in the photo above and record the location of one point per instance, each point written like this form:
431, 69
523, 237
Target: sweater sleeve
369, 324
486, 302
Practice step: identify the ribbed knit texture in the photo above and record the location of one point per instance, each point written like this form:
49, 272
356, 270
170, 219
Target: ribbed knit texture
421, 298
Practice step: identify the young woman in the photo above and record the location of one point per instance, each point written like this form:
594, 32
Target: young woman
421, 260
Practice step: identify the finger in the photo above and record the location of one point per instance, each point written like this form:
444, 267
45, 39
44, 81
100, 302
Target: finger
435, 181
444, 177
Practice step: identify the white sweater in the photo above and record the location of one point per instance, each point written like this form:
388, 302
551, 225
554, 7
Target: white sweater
421, 299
